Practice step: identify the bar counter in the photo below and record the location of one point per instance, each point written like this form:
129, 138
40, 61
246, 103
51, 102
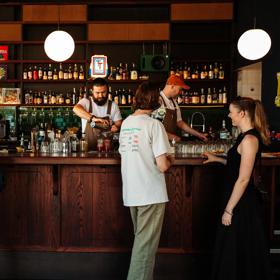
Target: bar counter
74, 203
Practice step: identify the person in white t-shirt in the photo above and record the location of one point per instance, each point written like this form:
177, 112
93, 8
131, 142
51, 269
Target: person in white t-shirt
97, 106
144, 149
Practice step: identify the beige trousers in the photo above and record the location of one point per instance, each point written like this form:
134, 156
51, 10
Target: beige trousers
147, 221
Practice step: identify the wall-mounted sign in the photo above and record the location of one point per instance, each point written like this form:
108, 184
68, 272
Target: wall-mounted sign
98, 66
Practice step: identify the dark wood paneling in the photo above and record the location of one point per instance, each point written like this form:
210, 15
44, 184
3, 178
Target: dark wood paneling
92, 209
128, 31
10, 32
49, 13
202, 11
28, 208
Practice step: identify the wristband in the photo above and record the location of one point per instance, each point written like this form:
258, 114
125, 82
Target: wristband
226, 211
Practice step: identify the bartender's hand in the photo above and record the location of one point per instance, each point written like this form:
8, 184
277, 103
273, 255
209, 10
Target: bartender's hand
102, 121
114, 128
201, 136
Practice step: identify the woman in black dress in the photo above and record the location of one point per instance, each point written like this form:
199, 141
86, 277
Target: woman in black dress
240, 251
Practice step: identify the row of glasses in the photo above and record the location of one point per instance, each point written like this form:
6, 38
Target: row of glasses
198, 148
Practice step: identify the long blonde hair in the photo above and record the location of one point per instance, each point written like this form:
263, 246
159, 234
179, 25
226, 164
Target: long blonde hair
257, 115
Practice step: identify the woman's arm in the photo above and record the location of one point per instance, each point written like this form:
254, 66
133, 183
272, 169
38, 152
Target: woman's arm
212, 158
248, 149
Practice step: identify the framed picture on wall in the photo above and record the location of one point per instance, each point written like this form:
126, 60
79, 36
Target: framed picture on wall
11, 95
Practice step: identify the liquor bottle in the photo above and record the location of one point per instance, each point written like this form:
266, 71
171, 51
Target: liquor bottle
185, 71
111, 75
116, 97
110, 97
45, 98
40, 73
83, 144
81, 73
202, 96
224, 133
123, 97
209, 96
53, 98
129, 97
118, 73
133, 72
225, 96
26, 97
50, 72
55, 74
60, 72
30, 73
70, 72
35, 73
74, 97
214, 97
204, 72
39, 98
125, 73
65, 74
195, 98
24, 74
216, 70
210, 72
220, 97
45, 73
75, 72
68, 99
221, 74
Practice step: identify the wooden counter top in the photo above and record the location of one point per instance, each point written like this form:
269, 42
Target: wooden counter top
95, 158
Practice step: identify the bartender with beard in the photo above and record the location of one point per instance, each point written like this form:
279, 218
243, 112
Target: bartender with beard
97, 112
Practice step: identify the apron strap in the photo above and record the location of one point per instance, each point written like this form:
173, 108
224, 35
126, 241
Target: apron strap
109, 107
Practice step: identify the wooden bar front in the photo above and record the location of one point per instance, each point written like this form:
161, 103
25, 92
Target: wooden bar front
75, 204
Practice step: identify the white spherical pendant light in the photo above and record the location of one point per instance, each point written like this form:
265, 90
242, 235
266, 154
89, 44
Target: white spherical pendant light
254, 44
59, 45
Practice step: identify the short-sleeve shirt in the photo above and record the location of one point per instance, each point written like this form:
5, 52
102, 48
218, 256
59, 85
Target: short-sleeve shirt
100, 111
170, 105
142, 139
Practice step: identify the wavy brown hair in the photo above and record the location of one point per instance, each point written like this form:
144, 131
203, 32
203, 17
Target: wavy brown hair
146, 97
256, 113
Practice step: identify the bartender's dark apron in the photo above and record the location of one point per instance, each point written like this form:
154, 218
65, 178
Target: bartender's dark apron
170, 118
91, 133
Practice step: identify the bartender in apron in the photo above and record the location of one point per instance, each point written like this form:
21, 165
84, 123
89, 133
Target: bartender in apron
98, 114
170, 112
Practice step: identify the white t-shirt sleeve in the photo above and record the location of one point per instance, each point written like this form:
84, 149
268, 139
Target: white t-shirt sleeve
115, 113
85, 103
160, 143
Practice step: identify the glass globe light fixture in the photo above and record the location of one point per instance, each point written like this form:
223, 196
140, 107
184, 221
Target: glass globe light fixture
59, 45
254, 44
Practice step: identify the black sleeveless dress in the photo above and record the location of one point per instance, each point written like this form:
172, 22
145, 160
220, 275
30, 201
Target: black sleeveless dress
240, 251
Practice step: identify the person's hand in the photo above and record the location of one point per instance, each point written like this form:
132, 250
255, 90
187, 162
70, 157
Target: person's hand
114, 128
202, 137
104, 122
171, 158
226, 218
210, 157
176, 138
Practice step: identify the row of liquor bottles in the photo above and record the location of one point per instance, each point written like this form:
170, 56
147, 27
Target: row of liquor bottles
212, 96
211, 71
121, 96
49, 97
54, 72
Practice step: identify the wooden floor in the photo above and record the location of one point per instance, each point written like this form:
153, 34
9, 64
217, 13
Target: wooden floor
79, 266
